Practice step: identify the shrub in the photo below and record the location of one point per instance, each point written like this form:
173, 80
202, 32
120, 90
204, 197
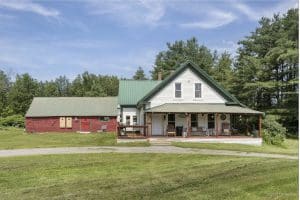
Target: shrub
274, 132
13, 120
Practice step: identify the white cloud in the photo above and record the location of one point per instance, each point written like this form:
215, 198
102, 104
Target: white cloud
28, 6
129, 13
256, 14
214, 19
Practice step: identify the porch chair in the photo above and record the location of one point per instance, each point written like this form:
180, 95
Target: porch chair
225, 129
171, 130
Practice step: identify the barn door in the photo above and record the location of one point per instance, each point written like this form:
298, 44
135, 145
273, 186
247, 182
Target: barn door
85, 124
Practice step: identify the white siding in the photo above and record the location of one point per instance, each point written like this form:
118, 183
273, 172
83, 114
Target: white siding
187, 79
129, 112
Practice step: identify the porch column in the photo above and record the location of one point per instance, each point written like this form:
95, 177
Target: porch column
149, 124
259, 125
187, 119
217, 124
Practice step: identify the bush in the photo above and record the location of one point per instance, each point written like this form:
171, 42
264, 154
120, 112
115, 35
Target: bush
274, 132
13, 120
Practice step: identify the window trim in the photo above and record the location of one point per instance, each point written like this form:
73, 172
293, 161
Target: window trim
178, 90
198, 90
134, 122
126, 120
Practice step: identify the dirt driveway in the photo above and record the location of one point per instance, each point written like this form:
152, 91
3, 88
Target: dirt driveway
151, 149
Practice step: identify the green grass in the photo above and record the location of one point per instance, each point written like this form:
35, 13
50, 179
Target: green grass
147, 176
14, 138
290, 146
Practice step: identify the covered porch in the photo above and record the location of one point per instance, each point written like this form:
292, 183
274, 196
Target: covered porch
202, 120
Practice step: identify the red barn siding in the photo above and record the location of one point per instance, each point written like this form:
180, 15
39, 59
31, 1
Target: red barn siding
51, 124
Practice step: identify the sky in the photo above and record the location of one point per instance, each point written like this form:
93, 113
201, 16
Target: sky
49, 38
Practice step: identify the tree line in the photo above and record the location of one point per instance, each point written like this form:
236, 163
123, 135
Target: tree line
263, 74
16, 96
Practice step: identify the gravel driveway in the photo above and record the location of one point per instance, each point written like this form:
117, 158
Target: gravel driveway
151, 149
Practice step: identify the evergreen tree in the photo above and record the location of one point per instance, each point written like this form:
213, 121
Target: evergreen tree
222, 72
139, 74
266, 71
179, 52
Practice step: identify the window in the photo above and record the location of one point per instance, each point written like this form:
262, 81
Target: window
177, 90
62, 122
194, 120
211, 121
68, 122
198, 90
127, 120
134, 120
171, 119
104, 119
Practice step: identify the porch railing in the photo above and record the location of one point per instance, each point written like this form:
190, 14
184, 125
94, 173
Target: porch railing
132, 131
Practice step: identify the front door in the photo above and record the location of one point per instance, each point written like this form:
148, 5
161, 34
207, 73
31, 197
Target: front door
85, 125
157, 124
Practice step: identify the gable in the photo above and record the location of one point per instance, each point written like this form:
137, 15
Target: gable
187, 78
229, 99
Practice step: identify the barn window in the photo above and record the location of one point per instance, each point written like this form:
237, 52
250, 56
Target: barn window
62, 122
68, 122
104, 119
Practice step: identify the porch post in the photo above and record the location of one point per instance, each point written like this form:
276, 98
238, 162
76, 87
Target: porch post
217, 124
259, 125
149, 124
187, 119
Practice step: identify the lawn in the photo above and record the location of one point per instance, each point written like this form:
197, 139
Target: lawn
14, 138
147, 176
290, 146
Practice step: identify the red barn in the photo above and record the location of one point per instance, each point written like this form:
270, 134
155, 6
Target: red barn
72, 114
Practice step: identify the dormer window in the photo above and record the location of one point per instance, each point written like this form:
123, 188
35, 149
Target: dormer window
177, 90
198, 92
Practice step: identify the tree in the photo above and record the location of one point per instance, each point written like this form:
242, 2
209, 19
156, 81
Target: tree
222, 71
63, 86
179, 52
88, 84
139, 74
22, 93
266, 69
4, 89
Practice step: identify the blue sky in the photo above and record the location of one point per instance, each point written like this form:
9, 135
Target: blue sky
64, 37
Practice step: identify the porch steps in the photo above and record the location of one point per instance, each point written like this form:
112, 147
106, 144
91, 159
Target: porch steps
160, 142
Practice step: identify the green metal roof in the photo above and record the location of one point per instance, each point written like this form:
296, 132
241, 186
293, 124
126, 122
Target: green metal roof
231, 99
72, 106
131, 91
201, 108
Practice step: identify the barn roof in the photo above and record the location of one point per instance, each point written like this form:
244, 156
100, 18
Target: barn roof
72, 106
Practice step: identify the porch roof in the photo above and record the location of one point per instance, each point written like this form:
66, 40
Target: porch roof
201, 108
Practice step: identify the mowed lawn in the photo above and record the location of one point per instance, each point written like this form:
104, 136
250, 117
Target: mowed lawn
290, 146
15, 138
147, 176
